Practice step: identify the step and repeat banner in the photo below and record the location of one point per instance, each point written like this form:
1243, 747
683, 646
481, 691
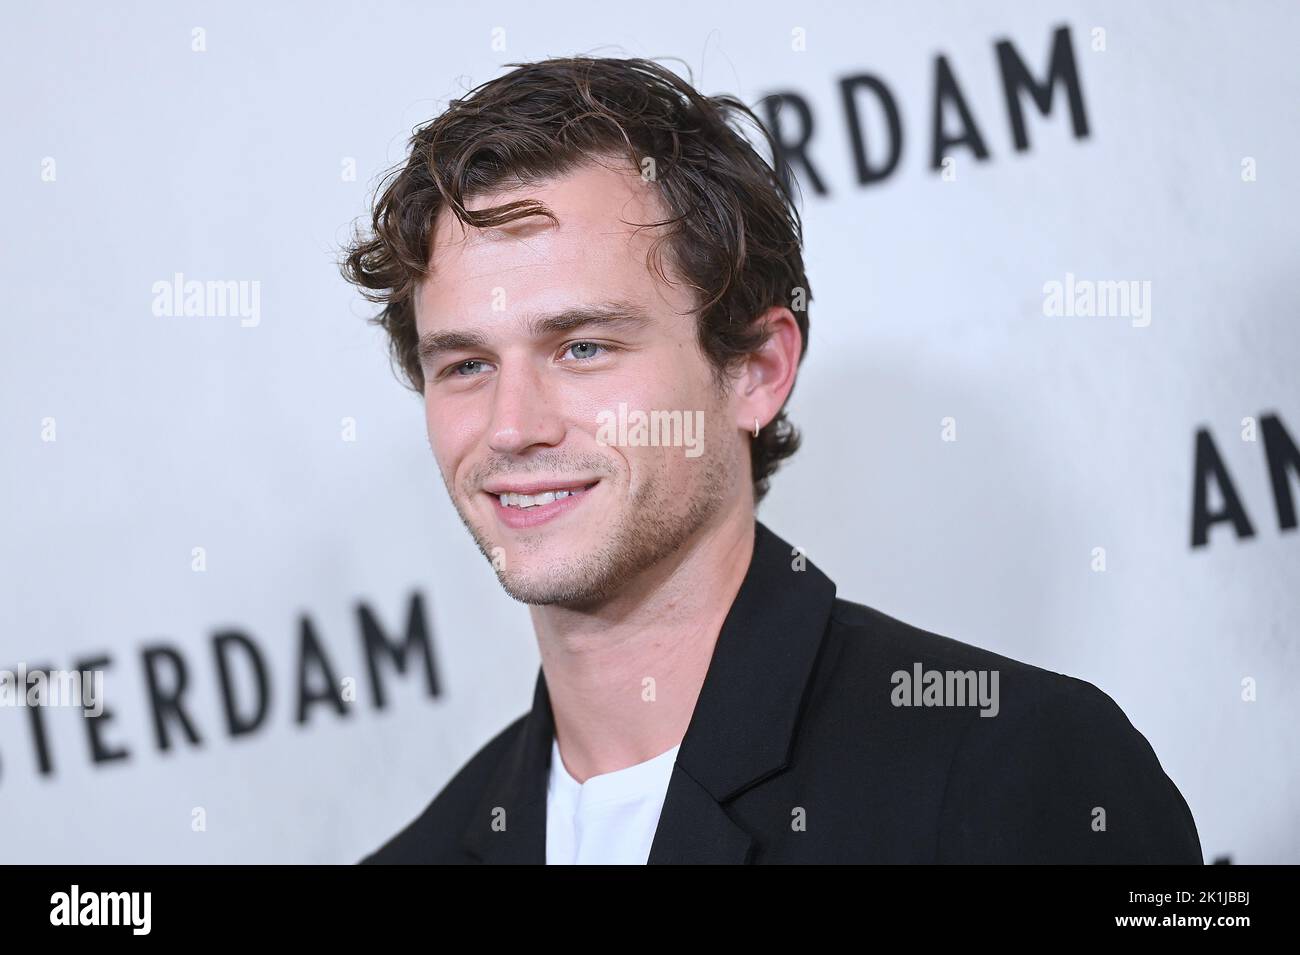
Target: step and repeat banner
1050, 405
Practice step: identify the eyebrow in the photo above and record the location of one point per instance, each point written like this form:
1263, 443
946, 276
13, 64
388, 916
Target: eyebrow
604, 315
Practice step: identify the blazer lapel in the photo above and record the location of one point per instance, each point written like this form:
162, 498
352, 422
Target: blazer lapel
744, 722
509, 825
740, 733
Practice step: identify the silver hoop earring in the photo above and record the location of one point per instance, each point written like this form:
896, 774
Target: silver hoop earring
756, 427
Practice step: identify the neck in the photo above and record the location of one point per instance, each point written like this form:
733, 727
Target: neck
624, 677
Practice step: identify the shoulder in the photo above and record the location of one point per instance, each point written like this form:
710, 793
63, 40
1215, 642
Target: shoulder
872, 643
1051, 770
434, 835
1066, 778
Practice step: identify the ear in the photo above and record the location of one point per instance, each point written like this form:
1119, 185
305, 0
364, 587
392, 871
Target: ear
768, 374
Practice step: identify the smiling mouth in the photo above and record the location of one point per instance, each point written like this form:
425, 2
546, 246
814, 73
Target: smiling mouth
527, 502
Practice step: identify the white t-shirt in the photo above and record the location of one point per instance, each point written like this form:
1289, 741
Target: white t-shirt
611, 818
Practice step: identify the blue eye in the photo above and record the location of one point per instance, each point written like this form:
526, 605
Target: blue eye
588, 345
580, 351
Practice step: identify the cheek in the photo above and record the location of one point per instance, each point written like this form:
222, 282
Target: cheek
666, 476
451, 436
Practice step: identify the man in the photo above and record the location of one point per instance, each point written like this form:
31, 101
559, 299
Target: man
597, 285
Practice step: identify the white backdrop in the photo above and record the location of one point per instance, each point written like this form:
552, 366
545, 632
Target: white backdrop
130, 156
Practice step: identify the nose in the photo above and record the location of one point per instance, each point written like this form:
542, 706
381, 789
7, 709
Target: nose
522, 412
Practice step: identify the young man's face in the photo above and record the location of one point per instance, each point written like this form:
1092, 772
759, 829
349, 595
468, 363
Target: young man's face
513, 404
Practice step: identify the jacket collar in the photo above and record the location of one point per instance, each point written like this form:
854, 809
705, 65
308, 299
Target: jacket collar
740, 733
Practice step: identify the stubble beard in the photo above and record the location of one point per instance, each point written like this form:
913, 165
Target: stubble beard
655, 523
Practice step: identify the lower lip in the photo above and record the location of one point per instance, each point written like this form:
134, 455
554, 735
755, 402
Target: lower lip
524, 517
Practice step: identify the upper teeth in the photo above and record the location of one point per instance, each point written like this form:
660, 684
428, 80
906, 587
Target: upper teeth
532, 500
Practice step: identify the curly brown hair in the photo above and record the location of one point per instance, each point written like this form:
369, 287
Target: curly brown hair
733, 231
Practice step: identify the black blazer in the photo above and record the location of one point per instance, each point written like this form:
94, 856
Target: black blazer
797, 753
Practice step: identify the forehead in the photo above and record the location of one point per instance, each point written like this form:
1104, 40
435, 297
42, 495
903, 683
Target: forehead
596, 252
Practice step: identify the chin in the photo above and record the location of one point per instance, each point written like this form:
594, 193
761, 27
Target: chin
543, 593
540, 585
